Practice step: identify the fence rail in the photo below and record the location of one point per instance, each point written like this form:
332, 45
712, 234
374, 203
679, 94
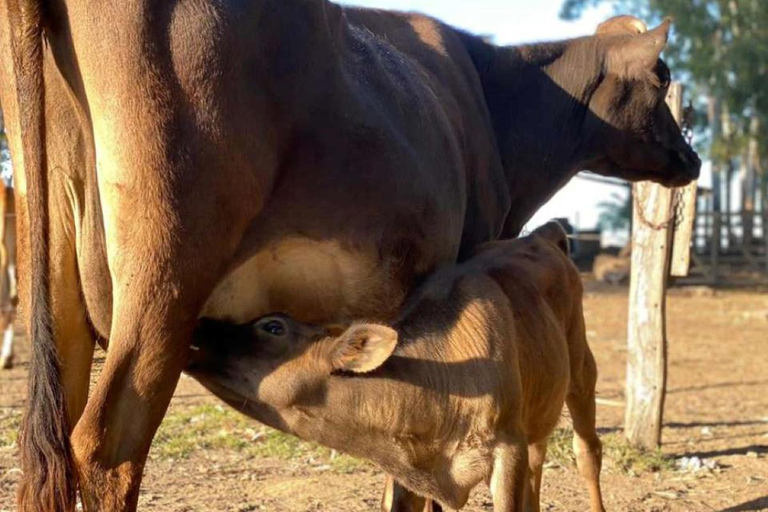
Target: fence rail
730, 248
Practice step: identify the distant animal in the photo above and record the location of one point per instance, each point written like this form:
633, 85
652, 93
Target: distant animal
180, 159
8, 297
612, 269
465, 386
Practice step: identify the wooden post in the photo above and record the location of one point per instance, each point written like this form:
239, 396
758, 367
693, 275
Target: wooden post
684, 204
684, 226
646, 336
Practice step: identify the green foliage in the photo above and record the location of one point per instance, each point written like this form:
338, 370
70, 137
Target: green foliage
630, 459
616, 214
10, 423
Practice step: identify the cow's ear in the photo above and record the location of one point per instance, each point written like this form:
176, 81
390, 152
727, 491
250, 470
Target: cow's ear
362, 348
630, 55
621, 25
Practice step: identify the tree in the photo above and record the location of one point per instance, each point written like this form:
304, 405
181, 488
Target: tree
616, 214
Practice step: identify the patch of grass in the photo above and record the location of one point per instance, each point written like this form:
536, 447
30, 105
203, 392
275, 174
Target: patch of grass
345, 464
616, 449
206, 427
560, 447
10, 423
214, 427
629, 458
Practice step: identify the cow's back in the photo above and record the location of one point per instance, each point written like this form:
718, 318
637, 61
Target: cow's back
440, 51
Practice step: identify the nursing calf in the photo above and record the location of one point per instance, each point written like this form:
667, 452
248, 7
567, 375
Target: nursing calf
465, 387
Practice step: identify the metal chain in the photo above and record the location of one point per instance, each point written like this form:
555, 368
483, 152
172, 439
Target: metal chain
687, 123
677, 209
675, 217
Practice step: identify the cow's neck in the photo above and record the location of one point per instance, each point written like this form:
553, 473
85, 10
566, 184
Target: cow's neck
537, 97
392, 423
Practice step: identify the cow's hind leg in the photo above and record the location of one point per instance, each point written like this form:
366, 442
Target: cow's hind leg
169, 240
75, 340
586, 444
155, 313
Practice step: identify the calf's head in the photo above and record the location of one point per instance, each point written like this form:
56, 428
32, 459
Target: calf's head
280, 362
631, 132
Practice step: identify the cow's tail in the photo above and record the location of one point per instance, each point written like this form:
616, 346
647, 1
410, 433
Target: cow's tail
49, 479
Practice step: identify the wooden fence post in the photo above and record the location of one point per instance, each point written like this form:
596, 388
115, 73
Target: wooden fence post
653, 226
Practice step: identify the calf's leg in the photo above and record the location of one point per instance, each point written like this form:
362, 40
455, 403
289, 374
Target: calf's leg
586, 444
509, 480
399, 499
537, 453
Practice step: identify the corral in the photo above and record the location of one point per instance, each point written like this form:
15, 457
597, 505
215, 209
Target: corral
241, 206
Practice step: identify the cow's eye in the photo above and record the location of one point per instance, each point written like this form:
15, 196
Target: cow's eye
274, 327
663, 75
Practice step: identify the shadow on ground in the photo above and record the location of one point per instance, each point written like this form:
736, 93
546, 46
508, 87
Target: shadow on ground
758, 504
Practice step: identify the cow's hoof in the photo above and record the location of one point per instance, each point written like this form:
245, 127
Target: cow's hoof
6, 363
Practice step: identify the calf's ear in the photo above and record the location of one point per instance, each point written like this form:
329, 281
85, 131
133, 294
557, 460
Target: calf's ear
364, 347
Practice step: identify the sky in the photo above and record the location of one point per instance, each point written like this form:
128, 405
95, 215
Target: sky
514, 22
510, 21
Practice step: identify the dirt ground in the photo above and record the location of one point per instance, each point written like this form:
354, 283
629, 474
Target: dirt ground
206, 457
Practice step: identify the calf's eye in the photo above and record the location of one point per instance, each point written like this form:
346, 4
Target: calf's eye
274, 327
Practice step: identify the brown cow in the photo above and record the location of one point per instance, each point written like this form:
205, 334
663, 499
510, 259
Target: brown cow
8, 298
239, 158
465, 387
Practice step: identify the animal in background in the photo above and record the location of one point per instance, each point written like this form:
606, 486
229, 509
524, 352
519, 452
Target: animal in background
8, 295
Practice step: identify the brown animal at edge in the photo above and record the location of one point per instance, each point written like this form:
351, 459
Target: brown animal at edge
237, 158
8, 297
465, 386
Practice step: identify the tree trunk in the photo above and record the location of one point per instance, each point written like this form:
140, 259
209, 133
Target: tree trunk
715, 120
749, 182
729, 171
